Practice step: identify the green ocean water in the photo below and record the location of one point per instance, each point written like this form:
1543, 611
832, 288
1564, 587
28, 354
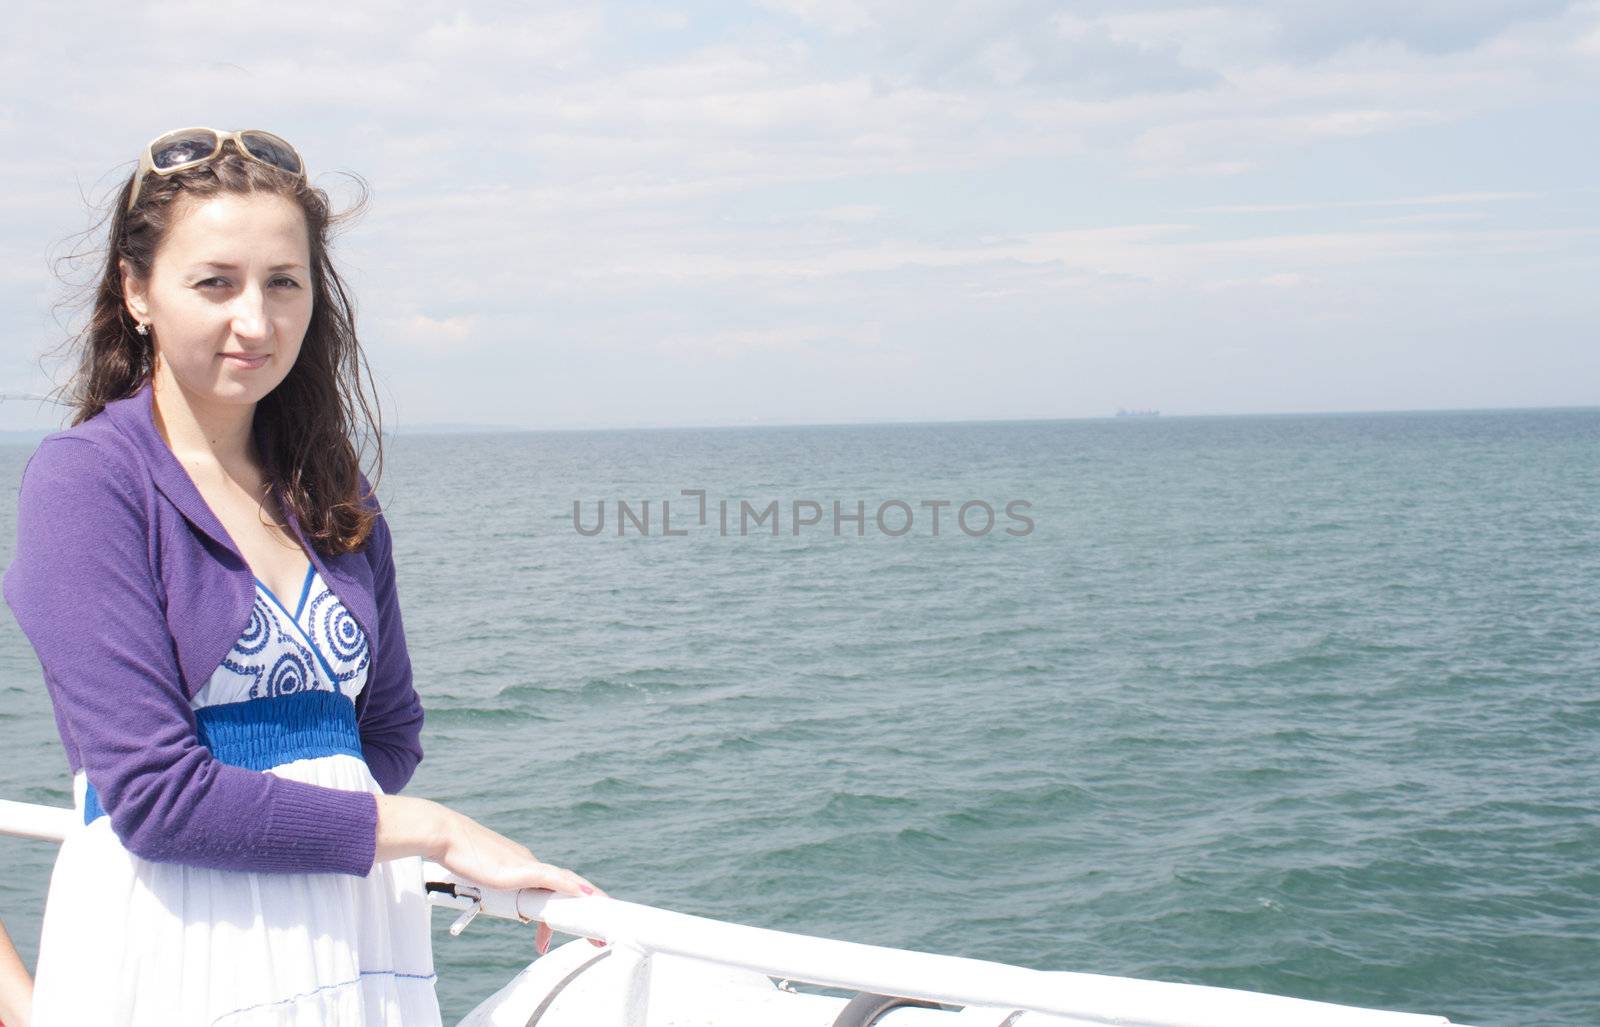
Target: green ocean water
1301, 704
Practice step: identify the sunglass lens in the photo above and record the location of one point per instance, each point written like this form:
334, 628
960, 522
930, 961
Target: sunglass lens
181, 147
264, 146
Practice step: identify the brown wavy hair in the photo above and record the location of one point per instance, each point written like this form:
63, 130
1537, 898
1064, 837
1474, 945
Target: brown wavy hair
305, 425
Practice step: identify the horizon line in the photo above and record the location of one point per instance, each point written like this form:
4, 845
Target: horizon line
469, 428
463, 428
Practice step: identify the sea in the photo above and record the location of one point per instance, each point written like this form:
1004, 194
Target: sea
1301, 704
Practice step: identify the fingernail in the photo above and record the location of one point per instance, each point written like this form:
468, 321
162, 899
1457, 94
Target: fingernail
586, 889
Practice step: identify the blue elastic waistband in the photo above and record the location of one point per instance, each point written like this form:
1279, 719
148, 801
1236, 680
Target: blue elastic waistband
260, 734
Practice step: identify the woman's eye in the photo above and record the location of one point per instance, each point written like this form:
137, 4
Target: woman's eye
209, 282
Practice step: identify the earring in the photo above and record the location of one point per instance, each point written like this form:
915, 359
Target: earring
143, 329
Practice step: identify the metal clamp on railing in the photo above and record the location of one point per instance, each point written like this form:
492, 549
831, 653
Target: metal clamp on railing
448, 890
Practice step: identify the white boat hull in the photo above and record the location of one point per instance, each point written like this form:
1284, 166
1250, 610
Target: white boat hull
578, 985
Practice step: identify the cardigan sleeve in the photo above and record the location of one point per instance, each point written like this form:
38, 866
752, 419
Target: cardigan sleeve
84, 590
391, 717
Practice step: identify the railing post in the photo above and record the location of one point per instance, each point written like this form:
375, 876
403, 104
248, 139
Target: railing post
634, 997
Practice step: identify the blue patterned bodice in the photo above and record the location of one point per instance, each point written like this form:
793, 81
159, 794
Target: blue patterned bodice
286, 691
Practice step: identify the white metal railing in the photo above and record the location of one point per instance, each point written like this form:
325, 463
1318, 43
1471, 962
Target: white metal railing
646, 930
29, 820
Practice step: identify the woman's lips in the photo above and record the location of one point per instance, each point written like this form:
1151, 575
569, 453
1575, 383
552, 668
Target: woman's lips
247, 362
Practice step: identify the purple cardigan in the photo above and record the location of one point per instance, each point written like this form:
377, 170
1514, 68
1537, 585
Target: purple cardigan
132, 592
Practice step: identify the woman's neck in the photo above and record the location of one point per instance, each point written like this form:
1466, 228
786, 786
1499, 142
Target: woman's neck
198, 433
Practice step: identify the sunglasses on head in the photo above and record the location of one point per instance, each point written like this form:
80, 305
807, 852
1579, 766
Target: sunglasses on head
185, 148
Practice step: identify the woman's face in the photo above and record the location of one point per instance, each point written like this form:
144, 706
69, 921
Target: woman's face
228, 300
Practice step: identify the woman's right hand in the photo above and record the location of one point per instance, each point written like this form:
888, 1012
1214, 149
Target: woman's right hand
408, 826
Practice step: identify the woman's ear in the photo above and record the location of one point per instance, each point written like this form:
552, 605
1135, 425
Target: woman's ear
133, 293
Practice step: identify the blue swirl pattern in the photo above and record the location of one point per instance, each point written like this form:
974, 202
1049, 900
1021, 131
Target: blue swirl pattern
343, 639
318, 646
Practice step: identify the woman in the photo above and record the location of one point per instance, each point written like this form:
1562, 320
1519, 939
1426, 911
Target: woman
209, 584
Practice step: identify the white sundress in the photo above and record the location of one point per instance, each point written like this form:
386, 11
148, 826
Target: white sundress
128, 941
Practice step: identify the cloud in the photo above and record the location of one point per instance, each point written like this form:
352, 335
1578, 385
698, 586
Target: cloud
551, 39
1315, 28
432, 336
1280, 280
1438, 199
837, 17
739, 186
1237, 144
806, 339
1436, 218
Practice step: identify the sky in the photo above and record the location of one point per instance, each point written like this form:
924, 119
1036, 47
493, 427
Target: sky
821, 211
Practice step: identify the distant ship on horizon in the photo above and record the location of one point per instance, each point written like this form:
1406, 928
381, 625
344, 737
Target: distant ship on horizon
1137, 413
